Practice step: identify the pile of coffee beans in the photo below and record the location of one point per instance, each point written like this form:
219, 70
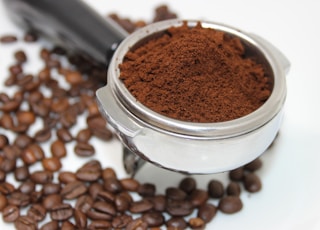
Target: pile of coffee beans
91, 197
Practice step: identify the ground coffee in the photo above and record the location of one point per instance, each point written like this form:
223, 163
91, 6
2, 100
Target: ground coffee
195, 74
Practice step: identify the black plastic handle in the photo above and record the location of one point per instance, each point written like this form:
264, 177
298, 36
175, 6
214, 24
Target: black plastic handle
70, 23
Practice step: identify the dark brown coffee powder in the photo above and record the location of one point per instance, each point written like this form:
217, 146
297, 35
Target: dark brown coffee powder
195, 74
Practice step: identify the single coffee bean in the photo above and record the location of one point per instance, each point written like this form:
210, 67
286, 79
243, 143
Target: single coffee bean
97, 215
73, 190
147, 190
4, 141
27, 187
67, 225
175, 193
12, 152
236, 174
20, 56
122, 203
32, 154
159, 202
108, 172
6, 121
230, 204
51, 225
51, 188
130, 184
19, 199
26, 117
153, 219
50, 201
83, 135
90, 171
94, 190
6, 188
9, 107
198, 197
137, 224
37, 212
215, 189
67, 177
8, 38
3, 176
74, 77
179, 207
233, 189
23, 140
253, 165
64, 135
30, 36
121, 222
112, 185
41, 177
97, 125
84, 203
3, 202
84, 149
188, 184
36, 197
140, 206
207, 212
21, 173
42, 135
59, 105
25, 223
61, 212
51, 164
99, 224
176, 223
105, 207
196, 223
10, 213
8, 165
80, 219
68, 118
252, 182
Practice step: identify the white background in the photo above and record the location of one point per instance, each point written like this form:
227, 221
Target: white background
291, 172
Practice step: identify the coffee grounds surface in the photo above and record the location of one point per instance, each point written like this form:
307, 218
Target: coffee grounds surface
195, 74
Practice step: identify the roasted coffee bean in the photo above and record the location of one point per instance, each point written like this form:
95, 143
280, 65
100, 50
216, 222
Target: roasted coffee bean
73, 190
105, 207
8, 107
51, 200
84, 203
53, 63
42, 135
230, 204
112, 185
15, 69
64, 135
6, 188
198, 197
122, 203
42, 110
22, 141
147, 190
175, 194
8, 165
188, 184
3, 202
97, 215
140, 206
51, 225
137, 224
252, 182
20, 56
26, 117
10, 213
90, 171
32, 154
84, 149
179, 207
207, 212
8, 38
51, 188
73, 77
36, 197
3, 176
130, 184
44, 74
159, 202
95, 188
68, 118
102, 133
121, 222
83, 135
60, 105
100, 224
12, 152
61, 212
19, 199
236, 174
30, 36
196, 223
4, 141
25, 223
6, 121
27, 187
176, 223
253, 165
37, 212
80, 219
153, 219
215, 189
97, 125
67, 177
108, 173
233, 189
41, 177
51, 164
67, 225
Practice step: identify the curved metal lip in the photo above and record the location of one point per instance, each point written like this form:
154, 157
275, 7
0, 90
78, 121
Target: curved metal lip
214, 130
